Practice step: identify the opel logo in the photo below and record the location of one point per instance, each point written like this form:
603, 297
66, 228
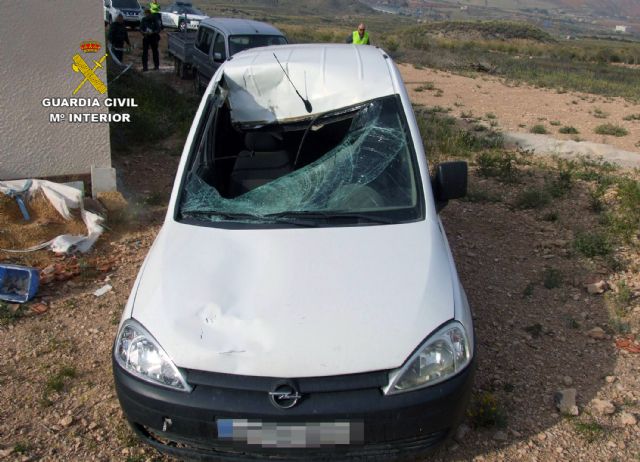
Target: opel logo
284, 396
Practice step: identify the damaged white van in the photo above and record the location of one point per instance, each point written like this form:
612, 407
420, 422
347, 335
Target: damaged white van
300, 301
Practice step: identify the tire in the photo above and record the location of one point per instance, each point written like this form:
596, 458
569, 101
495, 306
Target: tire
182, 26
177, 67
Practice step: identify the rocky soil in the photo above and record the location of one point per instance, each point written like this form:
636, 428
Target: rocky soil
557, 379
516, 108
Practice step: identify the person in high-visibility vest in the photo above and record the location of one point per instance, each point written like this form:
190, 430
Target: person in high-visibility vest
155, 12
360, 36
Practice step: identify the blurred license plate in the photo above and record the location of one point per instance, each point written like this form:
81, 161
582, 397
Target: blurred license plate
290, 435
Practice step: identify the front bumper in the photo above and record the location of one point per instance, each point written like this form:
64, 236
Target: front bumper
393, 426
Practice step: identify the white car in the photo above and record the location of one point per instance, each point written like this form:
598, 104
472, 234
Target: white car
182, 16
300, 300
131, 11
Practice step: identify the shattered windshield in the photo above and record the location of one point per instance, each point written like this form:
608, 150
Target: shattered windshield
352, 166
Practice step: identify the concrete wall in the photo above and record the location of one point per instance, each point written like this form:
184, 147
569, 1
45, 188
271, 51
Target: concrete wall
38, 39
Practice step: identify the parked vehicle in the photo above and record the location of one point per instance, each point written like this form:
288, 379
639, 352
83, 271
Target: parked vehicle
300, 300
181, 45
182, 16
216, 40
130, 9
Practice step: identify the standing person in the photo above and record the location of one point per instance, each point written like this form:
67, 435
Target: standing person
360, 36
118, 36
150, 38
155, 12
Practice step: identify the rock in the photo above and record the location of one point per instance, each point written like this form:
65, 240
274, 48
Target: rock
597, 333
6, 452
568, 381
626, 418
461, 432
597, 287
610, 378
66, 421
39, 308
103, 290
500, 436
603, 407
566, 401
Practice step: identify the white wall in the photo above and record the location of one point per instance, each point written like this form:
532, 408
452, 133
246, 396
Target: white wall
38, 39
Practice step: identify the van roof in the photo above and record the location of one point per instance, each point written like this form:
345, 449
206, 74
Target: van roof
236, 26
330, 76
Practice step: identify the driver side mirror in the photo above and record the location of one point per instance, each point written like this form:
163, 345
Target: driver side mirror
450, 182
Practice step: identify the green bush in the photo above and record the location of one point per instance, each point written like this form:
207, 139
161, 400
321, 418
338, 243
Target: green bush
539, 129
551, 278
499, 164
486, 411
592, 244
532, 198
611, 129
568, 130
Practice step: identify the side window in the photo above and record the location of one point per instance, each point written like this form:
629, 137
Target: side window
219, 52
205, 36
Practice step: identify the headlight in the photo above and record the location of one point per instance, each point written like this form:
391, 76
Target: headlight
442, 355
138, 353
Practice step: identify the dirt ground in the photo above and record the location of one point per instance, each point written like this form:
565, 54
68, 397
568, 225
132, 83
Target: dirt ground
57, 401
518, 108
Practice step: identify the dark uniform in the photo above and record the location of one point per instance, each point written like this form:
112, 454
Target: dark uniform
151, 36
118, 36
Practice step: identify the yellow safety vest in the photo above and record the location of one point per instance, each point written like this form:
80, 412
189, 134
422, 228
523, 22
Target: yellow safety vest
154, 7
360, 41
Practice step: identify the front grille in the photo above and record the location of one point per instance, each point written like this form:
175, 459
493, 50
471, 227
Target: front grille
334, 383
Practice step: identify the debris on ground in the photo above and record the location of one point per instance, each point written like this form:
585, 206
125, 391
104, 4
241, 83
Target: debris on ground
58, 220
115, 205
628, 345
18, 284
103, 290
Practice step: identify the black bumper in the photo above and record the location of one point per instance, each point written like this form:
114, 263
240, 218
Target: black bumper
393, 426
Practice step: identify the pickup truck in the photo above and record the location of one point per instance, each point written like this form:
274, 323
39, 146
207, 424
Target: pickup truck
215, 41
181, 46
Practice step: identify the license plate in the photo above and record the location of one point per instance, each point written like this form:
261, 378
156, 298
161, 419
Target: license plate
290, 435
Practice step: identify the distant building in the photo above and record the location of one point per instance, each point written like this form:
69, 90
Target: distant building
621, 29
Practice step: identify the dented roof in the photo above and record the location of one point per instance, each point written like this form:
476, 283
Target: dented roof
329, 76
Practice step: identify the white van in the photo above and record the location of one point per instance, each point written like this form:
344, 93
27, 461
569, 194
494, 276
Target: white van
300, 301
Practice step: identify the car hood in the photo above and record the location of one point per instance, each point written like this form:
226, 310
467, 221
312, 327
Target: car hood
300, 302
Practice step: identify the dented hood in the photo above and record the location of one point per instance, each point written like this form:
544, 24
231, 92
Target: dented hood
328, 76
294, 302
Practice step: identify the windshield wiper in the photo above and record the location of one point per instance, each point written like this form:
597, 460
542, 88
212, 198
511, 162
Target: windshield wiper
334, 215
263, 219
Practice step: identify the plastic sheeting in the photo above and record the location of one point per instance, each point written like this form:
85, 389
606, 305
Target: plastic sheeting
336, 182
63, 198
